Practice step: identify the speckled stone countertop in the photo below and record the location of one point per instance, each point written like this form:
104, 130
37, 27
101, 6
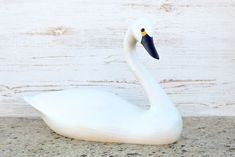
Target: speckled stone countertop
208, 136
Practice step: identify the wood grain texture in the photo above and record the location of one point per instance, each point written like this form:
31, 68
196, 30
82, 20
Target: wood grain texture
54, 45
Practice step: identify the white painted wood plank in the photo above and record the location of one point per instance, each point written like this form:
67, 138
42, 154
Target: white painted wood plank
54, 45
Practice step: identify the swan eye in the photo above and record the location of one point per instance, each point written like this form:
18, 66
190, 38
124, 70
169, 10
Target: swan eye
143, 33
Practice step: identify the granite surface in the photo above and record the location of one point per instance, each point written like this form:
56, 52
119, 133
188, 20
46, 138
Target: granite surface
204, 136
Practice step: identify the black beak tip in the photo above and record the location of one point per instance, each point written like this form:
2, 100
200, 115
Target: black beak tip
154, 54
156, 57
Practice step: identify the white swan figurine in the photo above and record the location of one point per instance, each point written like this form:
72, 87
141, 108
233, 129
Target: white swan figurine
97, 115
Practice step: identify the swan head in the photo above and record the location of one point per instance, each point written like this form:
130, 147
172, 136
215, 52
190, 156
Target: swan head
142, 30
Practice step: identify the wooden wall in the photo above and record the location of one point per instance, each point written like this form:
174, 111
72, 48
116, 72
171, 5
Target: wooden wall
48, 45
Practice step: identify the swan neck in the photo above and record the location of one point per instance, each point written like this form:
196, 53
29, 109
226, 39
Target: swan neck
154, 92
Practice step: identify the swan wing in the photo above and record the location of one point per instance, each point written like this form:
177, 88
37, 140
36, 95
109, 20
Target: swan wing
86, 106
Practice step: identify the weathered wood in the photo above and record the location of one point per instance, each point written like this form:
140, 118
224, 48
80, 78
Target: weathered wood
53, 45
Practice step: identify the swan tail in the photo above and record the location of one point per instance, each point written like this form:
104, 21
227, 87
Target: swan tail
30, 100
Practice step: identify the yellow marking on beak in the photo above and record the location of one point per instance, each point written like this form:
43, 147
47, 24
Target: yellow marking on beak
143, 33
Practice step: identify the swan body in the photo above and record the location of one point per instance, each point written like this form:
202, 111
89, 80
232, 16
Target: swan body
98, 115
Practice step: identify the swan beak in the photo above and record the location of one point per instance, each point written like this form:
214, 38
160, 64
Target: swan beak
148, 44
